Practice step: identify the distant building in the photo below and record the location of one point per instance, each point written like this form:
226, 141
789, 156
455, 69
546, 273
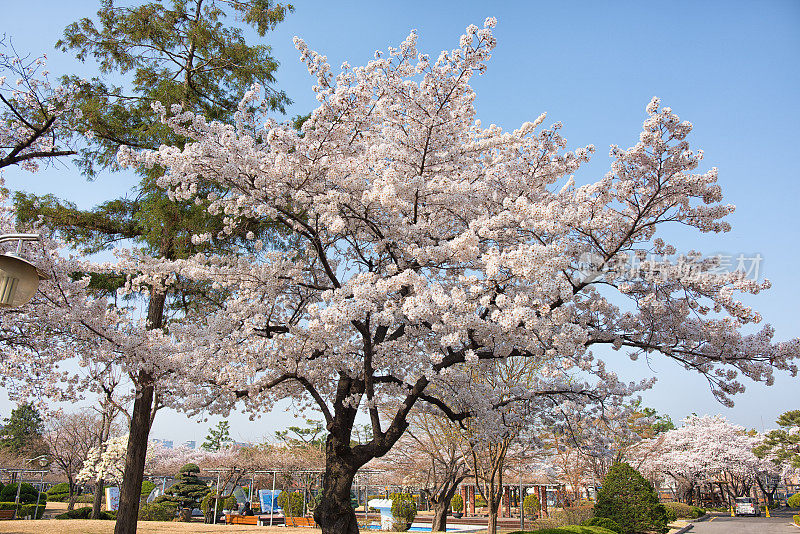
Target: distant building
192, 444
167, 443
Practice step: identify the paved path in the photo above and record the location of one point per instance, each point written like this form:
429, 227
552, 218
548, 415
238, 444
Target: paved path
779, 523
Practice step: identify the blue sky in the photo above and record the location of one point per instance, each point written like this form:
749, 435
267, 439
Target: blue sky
731, 68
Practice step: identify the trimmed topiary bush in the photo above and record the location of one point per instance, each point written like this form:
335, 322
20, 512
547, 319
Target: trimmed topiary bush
404, 510
27, 494
85, 513
59, 492
569, 529
23, 510
604, 522
683, 511
147, 487
794, 501
457, 503
628, 499
187, 491
531, 505
163, 511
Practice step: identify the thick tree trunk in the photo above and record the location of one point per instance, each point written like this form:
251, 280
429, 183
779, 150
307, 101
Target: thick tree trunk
140, 422
97, 503
131, 491
71, 493
491, 527
334, 513
440, 509
441, 503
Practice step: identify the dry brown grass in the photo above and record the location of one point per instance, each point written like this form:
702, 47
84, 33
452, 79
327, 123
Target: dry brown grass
88, 526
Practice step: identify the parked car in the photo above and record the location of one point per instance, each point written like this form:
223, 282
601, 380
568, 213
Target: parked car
747, 506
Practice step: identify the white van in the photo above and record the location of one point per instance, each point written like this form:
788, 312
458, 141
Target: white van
747, 506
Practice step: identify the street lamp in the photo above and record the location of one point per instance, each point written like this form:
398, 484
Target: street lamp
43, 462
19, 278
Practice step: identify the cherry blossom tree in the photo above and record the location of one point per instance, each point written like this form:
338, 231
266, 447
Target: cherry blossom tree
419, 242
34, 113
429, 456
69, 437
709, 448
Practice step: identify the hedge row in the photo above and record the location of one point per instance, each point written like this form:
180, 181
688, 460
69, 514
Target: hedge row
684, 511
85, 513
23, 510
569, 529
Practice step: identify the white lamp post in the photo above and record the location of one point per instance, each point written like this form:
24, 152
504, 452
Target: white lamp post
19, 278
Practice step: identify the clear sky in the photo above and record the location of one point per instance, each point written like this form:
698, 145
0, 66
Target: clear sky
729, 67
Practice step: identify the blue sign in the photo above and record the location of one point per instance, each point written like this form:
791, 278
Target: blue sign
268, 500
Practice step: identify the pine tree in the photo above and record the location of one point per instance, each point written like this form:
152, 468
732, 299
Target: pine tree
22, 431
188, 490
178, 54
218, 437
782, 446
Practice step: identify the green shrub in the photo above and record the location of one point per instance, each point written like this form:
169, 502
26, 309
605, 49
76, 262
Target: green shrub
77, 513
569, 529
59, 492
225, 502
86, 513
85, 498
164, 511
796, 519
680, 510
628, 499
187, 491
480, 502
147, 487
794, 500
531, 505
457, 503
27, 494
571, 515
207, 504
404, 510
291, 503
604, 522
23, 510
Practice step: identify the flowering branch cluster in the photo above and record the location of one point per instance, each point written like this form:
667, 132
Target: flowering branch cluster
420, 242
34, 112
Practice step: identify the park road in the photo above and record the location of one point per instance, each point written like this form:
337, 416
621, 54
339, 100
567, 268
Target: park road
779, 523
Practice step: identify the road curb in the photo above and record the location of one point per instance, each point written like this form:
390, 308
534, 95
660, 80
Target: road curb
683, 529
702, 518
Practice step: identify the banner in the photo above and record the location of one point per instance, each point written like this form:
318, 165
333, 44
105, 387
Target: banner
112, 498
268, 500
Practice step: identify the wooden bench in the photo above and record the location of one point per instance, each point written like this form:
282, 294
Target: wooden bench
300, 522
6, 514
238, 519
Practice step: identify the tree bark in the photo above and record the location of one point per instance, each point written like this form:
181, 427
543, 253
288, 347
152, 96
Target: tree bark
441, 503
98, 499
131, 491
141, 419
491, 526
71, 492
440, 510
334, 513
